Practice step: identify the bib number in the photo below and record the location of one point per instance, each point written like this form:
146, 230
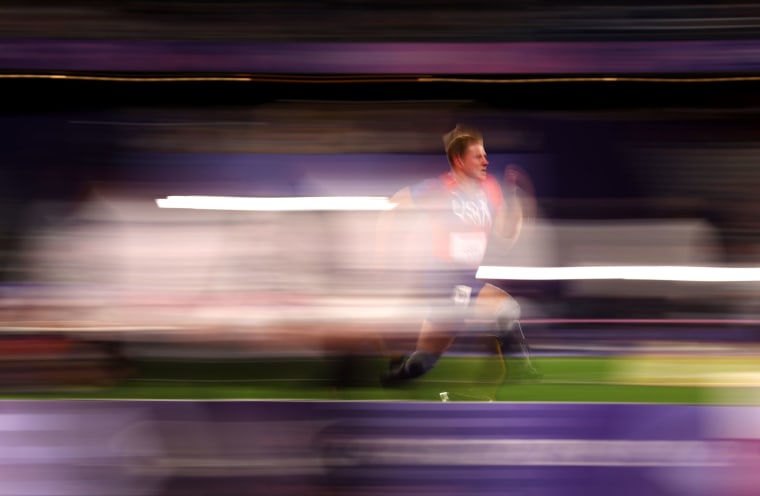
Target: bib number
462, 295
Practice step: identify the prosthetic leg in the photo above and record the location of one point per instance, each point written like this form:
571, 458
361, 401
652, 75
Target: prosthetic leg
512, 343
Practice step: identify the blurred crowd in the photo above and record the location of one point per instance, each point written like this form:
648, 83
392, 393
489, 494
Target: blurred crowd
367, 20
625, 174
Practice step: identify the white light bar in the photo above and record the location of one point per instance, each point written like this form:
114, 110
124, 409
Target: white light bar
286, 204
637, 273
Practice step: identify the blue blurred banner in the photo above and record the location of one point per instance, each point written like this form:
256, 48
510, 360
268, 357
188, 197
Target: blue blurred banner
299, 447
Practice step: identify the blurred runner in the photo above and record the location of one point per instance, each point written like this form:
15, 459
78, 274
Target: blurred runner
463, 208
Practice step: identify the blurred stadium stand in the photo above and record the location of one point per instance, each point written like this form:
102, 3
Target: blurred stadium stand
366, 20
628, 172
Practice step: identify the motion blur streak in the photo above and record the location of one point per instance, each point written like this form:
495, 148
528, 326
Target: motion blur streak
633, 272
275, 204
237, 348
165, 448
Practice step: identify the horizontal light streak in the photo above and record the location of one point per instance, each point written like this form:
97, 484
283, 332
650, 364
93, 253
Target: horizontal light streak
460, 452
282, 204
633, 272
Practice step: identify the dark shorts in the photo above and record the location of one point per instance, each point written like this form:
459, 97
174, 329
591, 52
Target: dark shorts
450, 294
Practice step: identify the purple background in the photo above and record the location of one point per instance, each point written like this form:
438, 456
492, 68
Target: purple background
414, 58
300, 447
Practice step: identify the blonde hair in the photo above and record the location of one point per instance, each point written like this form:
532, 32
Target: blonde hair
459, 139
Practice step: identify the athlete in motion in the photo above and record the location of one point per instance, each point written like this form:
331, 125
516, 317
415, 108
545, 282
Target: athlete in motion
463, 209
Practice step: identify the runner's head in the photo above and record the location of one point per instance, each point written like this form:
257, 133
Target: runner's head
465, 152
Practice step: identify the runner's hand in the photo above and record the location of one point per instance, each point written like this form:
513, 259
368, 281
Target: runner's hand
515, 177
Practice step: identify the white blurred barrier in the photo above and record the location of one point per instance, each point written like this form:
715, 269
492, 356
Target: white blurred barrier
206, 267
681, 243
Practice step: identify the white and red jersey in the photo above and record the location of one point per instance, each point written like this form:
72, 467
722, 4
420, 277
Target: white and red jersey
461, 220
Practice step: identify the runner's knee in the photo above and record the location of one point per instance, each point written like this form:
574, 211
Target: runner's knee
508, 315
